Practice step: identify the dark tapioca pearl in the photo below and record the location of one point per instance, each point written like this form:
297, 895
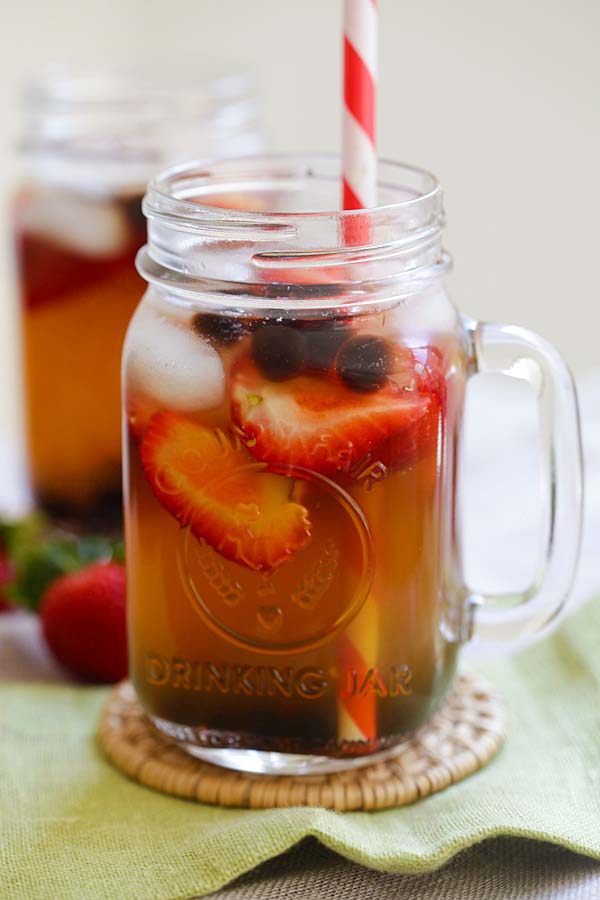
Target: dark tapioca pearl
279, 351
222, 330
364, 363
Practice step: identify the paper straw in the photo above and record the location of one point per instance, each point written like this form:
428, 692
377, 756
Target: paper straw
357, 701
359, 156
357, 710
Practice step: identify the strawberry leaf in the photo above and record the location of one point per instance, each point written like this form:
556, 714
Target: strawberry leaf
39, 555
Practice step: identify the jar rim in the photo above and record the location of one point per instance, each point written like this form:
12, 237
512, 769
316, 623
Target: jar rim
102, 130
276, 242
164, 193
65, 87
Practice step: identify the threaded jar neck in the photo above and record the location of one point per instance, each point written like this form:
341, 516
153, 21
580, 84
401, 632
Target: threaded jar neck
269, 226
97, 128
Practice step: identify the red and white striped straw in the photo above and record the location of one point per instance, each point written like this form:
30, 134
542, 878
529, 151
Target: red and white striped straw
357, 649
360, 76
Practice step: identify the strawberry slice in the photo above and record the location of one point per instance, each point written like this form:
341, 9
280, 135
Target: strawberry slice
320, 424
242, 511
411, 444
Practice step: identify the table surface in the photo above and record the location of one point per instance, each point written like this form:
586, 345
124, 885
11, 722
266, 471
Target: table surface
499, 475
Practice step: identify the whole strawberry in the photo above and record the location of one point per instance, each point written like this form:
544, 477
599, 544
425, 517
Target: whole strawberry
83, 619
6, 577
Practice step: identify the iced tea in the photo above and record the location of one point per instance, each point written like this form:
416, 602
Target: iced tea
288, 525
91, 141
79, 289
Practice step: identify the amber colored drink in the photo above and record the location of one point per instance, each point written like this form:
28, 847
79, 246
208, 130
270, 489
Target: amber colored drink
289, 527
78, 289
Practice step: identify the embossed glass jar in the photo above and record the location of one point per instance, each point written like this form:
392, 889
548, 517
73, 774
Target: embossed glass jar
294, 382
92, 140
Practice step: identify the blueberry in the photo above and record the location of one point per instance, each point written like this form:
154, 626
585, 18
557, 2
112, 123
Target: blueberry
364, 362
279, 351
221, 330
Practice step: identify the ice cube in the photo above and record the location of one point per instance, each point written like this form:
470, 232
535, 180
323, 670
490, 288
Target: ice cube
172, 365
86, 225
427, 313
162, 305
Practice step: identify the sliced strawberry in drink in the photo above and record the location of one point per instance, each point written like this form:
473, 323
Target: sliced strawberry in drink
318, 423
413, 443
50, 272
234, 504
419, 370
430, 368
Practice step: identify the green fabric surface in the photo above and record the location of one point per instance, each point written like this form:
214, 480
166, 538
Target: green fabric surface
75, 829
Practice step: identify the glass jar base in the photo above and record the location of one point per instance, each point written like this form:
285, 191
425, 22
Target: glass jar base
103, 514
270, 762
263, 762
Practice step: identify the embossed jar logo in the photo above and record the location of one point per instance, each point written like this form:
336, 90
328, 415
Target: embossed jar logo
305, 601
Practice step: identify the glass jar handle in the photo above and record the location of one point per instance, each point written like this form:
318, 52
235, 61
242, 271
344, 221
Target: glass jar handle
518, 353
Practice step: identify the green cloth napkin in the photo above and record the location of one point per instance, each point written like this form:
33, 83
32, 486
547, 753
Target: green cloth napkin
73, 828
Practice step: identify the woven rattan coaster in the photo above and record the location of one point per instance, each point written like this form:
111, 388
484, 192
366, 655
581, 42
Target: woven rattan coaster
464, 734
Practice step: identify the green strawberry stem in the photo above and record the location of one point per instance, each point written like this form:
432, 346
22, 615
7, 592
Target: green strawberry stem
39, 554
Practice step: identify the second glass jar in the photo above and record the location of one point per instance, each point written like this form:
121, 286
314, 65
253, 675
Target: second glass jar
91, 142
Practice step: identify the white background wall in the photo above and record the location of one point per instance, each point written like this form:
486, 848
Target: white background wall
500, 99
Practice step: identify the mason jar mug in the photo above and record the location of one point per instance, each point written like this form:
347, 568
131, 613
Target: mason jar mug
294, 381
91, 142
